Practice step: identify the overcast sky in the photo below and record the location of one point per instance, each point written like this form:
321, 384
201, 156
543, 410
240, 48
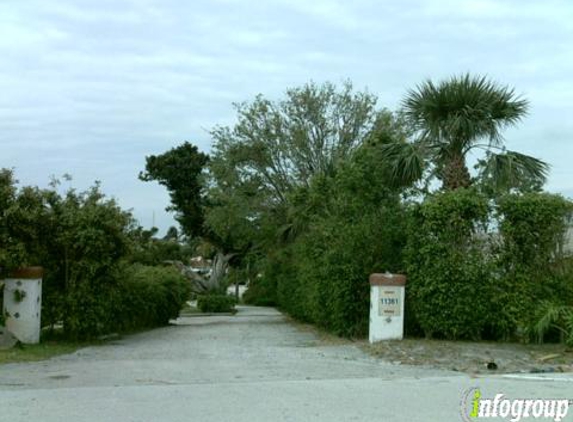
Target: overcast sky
92, 87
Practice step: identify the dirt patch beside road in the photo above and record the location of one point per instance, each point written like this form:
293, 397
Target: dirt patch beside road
460, 356
474, 357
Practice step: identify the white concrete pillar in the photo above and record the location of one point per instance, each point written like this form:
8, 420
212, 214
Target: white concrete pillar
387, 294
23, 304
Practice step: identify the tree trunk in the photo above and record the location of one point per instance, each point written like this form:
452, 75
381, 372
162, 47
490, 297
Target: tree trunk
455, 173
218, 271
200, 284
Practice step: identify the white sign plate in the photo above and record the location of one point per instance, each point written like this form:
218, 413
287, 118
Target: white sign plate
390, 304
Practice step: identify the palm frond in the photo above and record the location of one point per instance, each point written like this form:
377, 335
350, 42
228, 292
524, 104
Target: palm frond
569, 326
407, 160
511, 169
550, 315
464, 110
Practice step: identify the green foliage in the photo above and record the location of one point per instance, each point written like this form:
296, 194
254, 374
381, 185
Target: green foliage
333, 262
87, 310
139, 297
452, 118
333, 240
82, 239
151, 296
261, 292
146, 249
47, 349
464, 108
275, 149
89, 239
552, 317
78, 237
448, 281
2, 319
261, 169
533, 226
499, 174
12, 250
19, 295
549, 316
213, 303
530, 262
180, 171
467, 282
282, 145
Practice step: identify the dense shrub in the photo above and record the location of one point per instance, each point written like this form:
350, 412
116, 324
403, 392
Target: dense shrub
216, 303
534, 268
151, 296
553, 321
1, 302
89, 311
321, 276
139, 297
449, 286
82, 240
533, 227
147, 249
334, 262
465, 282
261, 292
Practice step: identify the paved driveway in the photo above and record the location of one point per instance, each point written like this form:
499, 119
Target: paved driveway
254, 366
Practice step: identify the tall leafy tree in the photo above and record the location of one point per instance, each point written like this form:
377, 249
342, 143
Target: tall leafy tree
275, 149
456, 116
280, 145
180, 171
9, 247
80, 238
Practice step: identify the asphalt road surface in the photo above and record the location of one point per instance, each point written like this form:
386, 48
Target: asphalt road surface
253, 366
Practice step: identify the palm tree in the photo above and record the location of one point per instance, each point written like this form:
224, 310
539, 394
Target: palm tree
451, 119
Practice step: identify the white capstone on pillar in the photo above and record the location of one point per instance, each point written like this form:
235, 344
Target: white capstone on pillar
23, 304
387, 294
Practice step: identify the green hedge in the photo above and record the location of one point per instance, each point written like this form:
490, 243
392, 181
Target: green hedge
2, 319
536, 274
322, 277
533, 226
262, 291
344, 227
151, 296
448, 282
216, 303
140, 297
478, 269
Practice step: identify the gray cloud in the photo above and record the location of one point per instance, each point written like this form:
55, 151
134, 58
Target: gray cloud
91, 88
